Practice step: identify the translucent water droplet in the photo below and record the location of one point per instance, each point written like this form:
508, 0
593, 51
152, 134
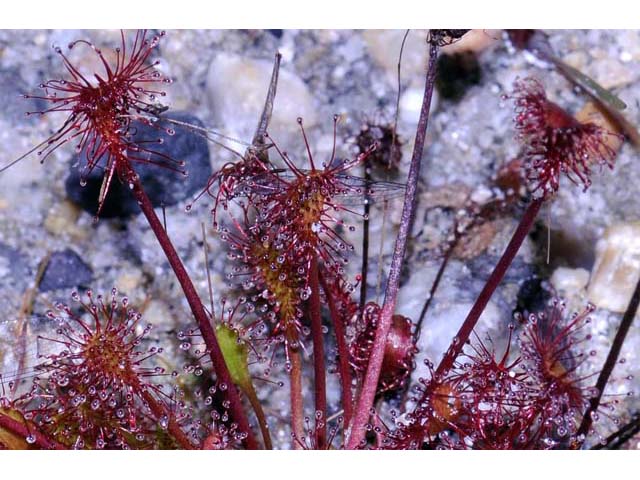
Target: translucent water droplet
163, 422
305, 293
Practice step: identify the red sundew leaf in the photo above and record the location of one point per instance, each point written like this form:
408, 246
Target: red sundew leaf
97, 389
101, 109
399, 350
554, 142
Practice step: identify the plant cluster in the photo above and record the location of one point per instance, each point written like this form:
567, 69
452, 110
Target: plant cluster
534, 400
283, 226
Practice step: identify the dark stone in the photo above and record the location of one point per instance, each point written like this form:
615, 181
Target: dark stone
456, 73
162, 185
532, 296
65, 270
276, 32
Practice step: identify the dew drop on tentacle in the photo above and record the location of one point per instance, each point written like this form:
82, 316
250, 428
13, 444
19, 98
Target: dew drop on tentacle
163, 421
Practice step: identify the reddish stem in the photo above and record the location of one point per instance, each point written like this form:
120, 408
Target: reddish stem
356, 431
174, 429
343, 353
297, 403
199, 313
319, 378
612, 359
526, 222
19, 429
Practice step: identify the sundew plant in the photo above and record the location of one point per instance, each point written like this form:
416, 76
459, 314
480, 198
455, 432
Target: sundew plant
319, 240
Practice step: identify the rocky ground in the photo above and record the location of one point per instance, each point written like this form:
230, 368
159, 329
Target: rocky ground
220, 81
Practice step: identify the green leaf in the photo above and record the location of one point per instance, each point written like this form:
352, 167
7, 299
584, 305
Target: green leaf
235, 354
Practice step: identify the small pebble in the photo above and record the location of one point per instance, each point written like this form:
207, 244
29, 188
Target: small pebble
62, 218
65, 270
238, 104
129, 280
570, 280
456, 74
411, 105
617, 267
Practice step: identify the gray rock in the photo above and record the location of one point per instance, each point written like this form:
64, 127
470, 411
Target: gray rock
65, 270
14, 268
